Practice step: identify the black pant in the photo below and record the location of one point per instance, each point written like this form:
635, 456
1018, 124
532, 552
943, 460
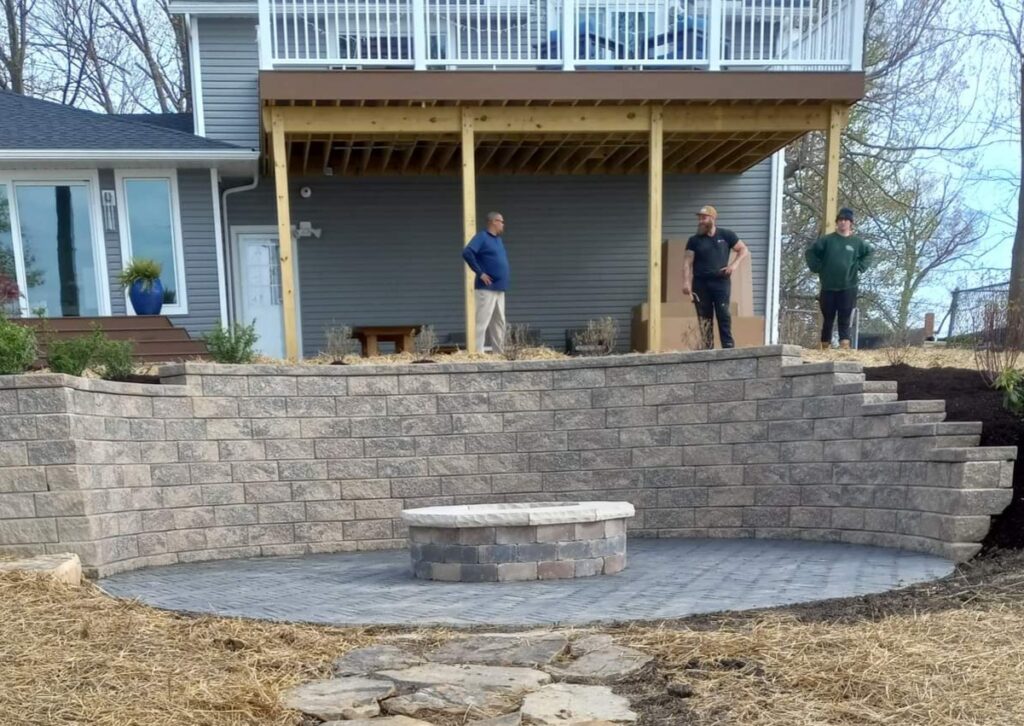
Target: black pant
837, 301
713, 299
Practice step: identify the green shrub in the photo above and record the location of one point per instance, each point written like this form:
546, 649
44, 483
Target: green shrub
114, 360
141, 269
17, 347
1011, 383
73, 355
236, 344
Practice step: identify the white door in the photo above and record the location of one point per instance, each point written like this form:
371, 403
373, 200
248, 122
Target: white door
259, 295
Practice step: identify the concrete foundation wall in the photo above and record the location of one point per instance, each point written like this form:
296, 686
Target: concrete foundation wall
239, 461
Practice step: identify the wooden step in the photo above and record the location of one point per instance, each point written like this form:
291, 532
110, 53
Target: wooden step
154, 338
106, 323
139, 336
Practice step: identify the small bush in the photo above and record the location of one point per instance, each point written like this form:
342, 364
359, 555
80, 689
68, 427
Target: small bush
517, 341
73, 355
1011, 383
998, 339
17, 347
597, 339
899, 347
235, 344
425, 345
339, 341
114, 360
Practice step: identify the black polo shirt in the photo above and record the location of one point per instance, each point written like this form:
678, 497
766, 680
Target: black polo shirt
711, 253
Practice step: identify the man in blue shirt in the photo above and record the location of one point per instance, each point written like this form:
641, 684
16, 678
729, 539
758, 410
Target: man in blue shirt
485, 255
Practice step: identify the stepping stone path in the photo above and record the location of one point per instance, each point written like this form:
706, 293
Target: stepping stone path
545, 678
375, 658
349, 697
568, 703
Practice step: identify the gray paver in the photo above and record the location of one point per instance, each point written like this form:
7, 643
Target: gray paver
664, 579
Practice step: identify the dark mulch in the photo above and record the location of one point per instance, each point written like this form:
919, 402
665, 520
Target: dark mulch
969, 399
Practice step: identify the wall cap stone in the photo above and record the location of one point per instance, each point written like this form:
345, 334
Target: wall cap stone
517, 514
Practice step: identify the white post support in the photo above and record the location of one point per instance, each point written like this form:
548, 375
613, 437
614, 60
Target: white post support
419, 35
713, 36
265, 32
857, 36
567, 41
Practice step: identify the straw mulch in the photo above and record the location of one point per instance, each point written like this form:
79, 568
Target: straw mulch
936, 669
75, 656
919, 357
407, 358
936, 655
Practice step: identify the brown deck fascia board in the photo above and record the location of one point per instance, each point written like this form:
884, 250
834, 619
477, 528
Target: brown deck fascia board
560, 86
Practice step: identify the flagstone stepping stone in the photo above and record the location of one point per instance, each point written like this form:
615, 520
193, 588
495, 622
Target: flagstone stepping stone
568, 704
509, 719
383, 721
450, 699
599, 661
374, 658
340, 698
497, 678
66, 567
589, 643
508, 649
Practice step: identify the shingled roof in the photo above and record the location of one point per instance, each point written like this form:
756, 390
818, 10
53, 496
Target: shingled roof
31, 123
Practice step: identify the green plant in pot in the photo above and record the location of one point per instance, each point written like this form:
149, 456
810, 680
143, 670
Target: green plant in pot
142, 278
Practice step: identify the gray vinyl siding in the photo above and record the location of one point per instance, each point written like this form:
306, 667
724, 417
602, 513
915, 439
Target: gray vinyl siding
390, 247
229, 63
199, 237
112, 243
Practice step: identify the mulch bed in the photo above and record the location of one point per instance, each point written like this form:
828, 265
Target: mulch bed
968, 398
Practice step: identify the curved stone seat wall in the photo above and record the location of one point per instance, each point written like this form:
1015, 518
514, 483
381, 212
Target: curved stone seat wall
238, 461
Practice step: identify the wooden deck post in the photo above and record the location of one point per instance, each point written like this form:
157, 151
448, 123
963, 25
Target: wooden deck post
284, 235
469, 222
836, 121
654, 209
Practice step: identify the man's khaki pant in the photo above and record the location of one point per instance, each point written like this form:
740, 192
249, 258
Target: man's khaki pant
490, 319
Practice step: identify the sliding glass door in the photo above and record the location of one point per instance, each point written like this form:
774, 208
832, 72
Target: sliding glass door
49, 241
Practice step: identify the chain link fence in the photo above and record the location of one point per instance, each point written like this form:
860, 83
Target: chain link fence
967, 308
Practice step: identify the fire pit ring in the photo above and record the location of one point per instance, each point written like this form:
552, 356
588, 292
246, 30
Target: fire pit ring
518, 541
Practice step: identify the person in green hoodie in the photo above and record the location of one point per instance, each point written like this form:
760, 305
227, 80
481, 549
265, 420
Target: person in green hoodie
838, 259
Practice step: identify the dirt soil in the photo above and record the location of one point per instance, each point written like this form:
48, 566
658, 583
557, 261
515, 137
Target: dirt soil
969, 399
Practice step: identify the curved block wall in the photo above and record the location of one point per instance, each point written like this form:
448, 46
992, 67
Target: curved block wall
238, 461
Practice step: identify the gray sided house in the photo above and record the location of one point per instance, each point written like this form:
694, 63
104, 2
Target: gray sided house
82, 192
341, 153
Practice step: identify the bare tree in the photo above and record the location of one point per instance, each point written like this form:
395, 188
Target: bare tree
160, 43
921, 104
118, 56
926, 231
1010, 31
14, 44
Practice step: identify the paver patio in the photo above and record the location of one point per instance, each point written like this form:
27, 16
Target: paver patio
666, 578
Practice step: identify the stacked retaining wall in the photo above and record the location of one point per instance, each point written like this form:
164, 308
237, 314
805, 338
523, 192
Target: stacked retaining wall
239, 461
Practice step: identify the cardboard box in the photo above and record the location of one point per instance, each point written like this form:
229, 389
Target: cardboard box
682, 332
672, 254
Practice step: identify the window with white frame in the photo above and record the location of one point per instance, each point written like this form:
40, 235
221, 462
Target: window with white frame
52, 261
151, 229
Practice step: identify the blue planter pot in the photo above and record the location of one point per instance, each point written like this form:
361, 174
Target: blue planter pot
146, 302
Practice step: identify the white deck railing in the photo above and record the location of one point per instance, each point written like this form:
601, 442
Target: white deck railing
711, 34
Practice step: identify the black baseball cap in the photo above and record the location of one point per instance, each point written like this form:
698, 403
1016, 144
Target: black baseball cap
845, 213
